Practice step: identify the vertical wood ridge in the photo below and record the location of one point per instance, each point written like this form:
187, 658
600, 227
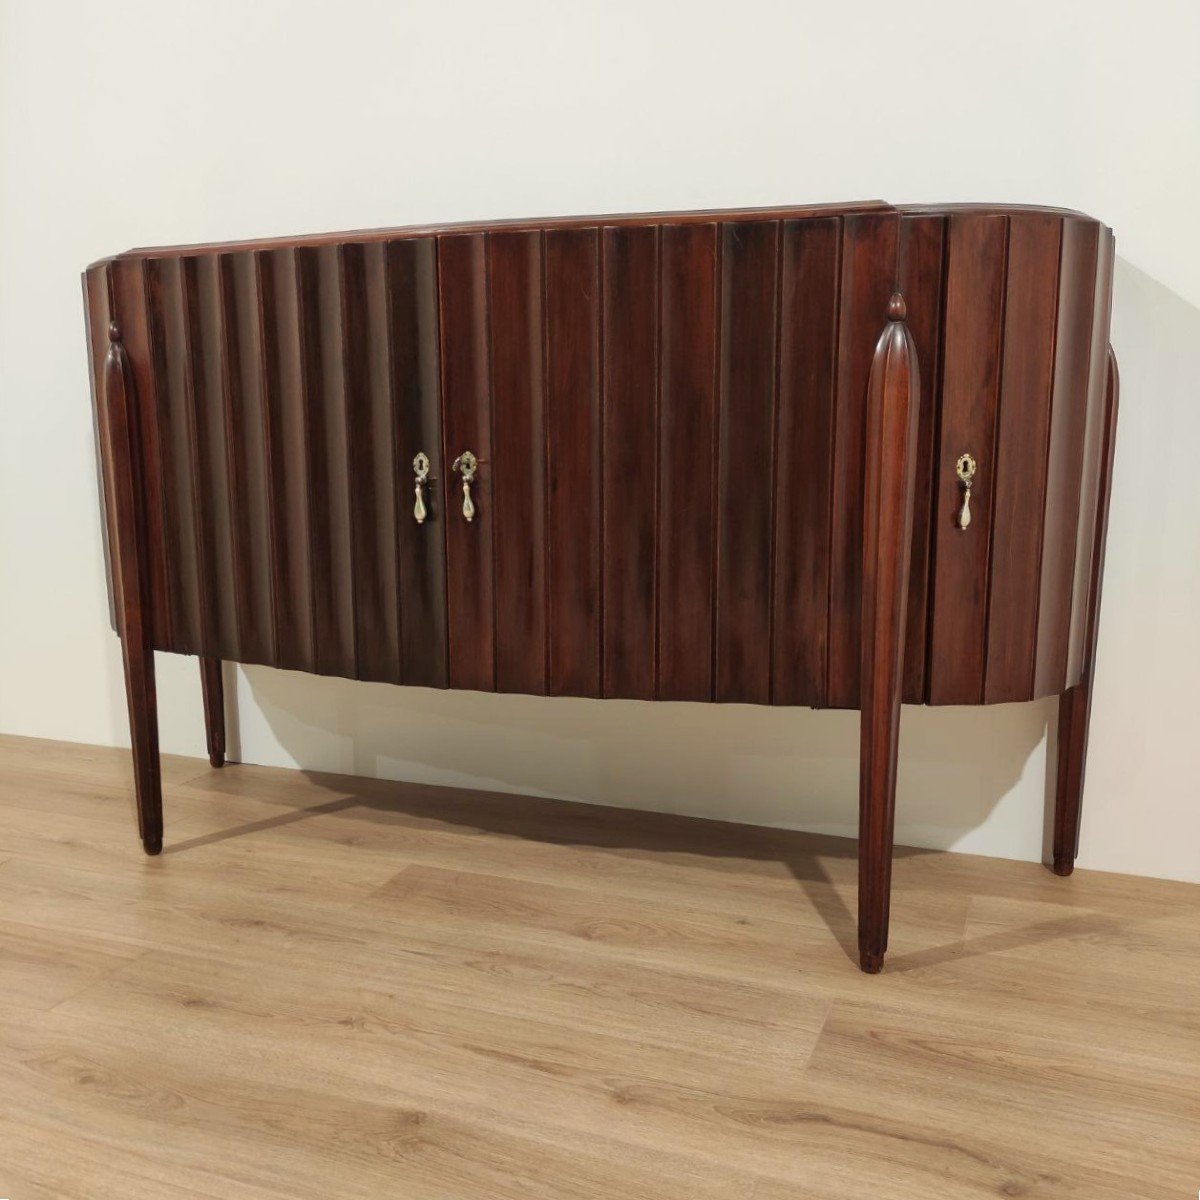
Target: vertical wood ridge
1045, 482
203, 526
240, 550
546, 465
996, 465
718, 422
269, 465
833, 444
938, 464
773, 557
489, 341
150, 387
403, 495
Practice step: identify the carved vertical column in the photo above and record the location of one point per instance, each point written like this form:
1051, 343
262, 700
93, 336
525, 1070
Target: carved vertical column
131, 583
1075, 706
893, 394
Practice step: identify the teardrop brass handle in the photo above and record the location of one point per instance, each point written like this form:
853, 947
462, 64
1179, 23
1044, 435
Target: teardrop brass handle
421, 470
466, 464
965, 470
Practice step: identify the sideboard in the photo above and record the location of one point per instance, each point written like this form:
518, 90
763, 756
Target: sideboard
840, 456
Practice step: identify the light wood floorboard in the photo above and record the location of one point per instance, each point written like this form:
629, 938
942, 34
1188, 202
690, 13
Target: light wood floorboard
330, 987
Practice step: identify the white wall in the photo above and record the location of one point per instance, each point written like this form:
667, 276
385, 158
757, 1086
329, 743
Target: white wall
133, 123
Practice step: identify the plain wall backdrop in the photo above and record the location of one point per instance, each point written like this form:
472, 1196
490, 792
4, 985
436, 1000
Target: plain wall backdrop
157, 122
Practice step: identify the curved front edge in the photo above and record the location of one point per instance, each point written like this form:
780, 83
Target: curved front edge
892, 396
1075, 705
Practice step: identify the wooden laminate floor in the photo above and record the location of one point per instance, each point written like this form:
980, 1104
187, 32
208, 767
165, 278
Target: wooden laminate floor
334, 988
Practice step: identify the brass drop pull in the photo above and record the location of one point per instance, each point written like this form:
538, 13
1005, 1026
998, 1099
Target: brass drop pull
965, 470
421, 469
466, 463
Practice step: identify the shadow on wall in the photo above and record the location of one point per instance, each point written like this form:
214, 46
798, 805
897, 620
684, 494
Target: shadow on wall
785, 767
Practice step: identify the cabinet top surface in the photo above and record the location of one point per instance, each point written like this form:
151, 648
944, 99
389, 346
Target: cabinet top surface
528, 224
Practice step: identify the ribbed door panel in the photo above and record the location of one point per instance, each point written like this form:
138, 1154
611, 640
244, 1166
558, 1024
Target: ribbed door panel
669, 421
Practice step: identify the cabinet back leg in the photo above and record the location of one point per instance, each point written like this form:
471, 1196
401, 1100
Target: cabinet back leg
213, 688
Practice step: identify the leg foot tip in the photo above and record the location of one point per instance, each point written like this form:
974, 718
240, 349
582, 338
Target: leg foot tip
216, 760
870, 962
152, 845
1063, 866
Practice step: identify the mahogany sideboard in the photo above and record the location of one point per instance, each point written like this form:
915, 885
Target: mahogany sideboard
840, 456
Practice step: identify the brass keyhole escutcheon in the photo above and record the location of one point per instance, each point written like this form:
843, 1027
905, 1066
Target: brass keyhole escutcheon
421, 470
466, 464
964, 468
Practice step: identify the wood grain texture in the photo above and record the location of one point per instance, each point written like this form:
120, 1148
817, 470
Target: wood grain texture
869, 252
808, 330
1065, 455
686, 462
573, 460
673, 411
1023, 423
893, 403
971, 348
1075, 707
921, 271
123, 485
519, 427
748, 375
466, 425
412, 350
363, 988
630, 453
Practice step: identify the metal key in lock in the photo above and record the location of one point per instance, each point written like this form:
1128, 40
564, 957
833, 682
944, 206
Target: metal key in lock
965, 470
466, 464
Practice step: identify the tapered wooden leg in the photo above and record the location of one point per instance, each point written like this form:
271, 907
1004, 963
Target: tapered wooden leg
1075, 706
131, 585
213, 689
143, 731
1074, 710
892, 401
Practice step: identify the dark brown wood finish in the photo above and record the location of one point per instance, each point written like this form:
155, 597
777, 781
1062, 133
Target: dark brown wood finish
573, 461
808, 327
212, 688
1075, 705
869, 252
893, 399
466, 425
748, 374
975, 271
691, 482
416, 406
1019, 489
123, 485
630, 421
686, 461
519, 430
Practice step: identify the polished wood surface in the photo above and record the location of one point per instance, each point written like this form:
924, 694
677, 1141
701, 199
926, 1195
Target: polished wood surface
634, 390
671, 423
893, 398
335, 987
1075, 707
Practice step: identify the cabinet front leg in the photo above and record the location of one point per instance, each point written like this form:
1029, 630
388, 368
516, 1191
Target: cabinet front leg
213, 688
1075, 706
128, 551
892, 403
